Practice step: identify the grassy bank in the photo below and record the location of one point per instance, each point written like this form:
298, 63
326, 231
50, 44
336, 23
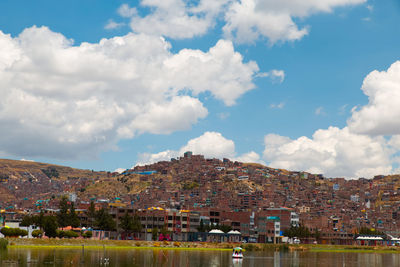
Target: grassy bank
130, 244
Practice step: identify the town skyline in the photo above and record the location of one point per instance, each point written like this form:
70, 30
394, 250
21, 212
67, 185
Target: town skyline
311, 86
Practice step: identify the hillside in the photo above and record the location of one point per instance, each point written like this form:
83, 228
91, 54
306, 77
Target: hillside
193, 182
23, 183
18, 169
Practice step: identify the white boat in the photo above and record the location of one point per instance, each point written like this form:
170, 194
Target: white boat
237, 253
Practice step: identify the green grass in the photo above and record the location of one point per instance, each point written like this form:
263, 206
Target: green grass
135, 244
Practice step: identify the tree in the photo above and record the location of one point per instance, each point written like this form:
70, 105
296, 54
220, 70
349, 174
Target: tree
7, 232
137, 225
201, 228
62, 215
73, 217
154, 234
87, 234
50, 226
368, 231
127, 223
37, 233
104, 220
300, 232
225, 228
27, 221
91, 213
39, 220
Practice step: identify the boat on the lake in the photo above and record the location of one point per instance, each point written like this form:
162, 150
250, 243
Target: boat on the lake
237, 253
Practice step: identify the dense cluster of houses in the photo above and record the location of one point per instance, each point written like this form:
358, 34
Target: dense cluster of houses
256, 201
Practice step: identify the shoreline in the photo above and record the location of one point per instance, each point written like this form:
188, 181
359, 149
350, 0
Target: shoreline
16, 243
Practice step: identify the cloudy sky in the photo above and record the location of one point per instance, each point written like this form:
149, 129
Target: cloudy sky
311, 85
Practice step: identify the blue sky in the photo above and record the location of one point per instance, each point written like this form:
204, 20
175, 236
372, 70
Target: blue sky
307, 86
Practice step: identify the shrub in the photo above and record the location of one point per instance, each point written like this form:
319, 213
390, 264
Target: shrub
37, 233
7, 232
67, 234
250, 247
88, 234
177, 244
3, 243
156, 244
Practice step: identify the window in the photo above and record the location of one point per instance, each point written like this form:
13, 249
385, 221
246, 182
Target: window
170, 218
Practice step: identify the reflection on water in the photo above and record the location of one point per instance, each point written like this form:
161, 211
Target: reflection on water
160, 257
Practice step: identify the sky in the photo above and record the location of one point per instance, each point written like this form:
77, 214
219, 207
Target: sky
311, 85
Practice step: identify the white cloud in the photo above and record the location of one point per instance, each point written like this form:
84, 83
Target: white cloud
119, 170
177, 19
249, 20
278, 106
216, 71
245, 20
223, 115
29, 160
64, 101
320, 111
111, 25
210, 144
250, 157
381, 115
334, 152
274, 75
126, 11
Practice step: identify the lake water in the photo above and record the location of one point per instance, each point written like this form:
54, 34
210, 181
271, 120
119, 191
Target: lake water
175, 258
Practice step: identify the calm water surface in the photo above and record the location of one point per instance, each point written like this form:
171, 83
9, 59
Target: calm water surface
176, 258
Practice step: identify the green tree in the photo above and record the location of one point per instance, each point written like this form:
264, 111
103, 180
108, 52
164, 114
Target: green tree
50, 226
7, 232
127, 223
137, 225
73, 217
91, 213
37, 233
104, 220
225, 228
201, 228
154, 234
300, 232
87, 234
27, 220
39, 219
63, 217
369, 231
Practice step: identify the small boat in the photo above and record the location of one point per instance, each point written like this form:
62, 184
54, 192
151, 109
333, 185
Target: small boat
237, 253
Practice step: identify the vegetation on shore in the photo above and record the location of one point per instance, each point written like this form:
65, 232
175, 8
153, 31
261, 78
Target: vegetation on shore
134, 244
3, 243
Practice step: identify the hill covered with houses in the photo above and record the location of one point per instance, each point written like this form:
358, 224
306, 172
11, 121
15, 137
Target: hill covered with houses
193, 182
